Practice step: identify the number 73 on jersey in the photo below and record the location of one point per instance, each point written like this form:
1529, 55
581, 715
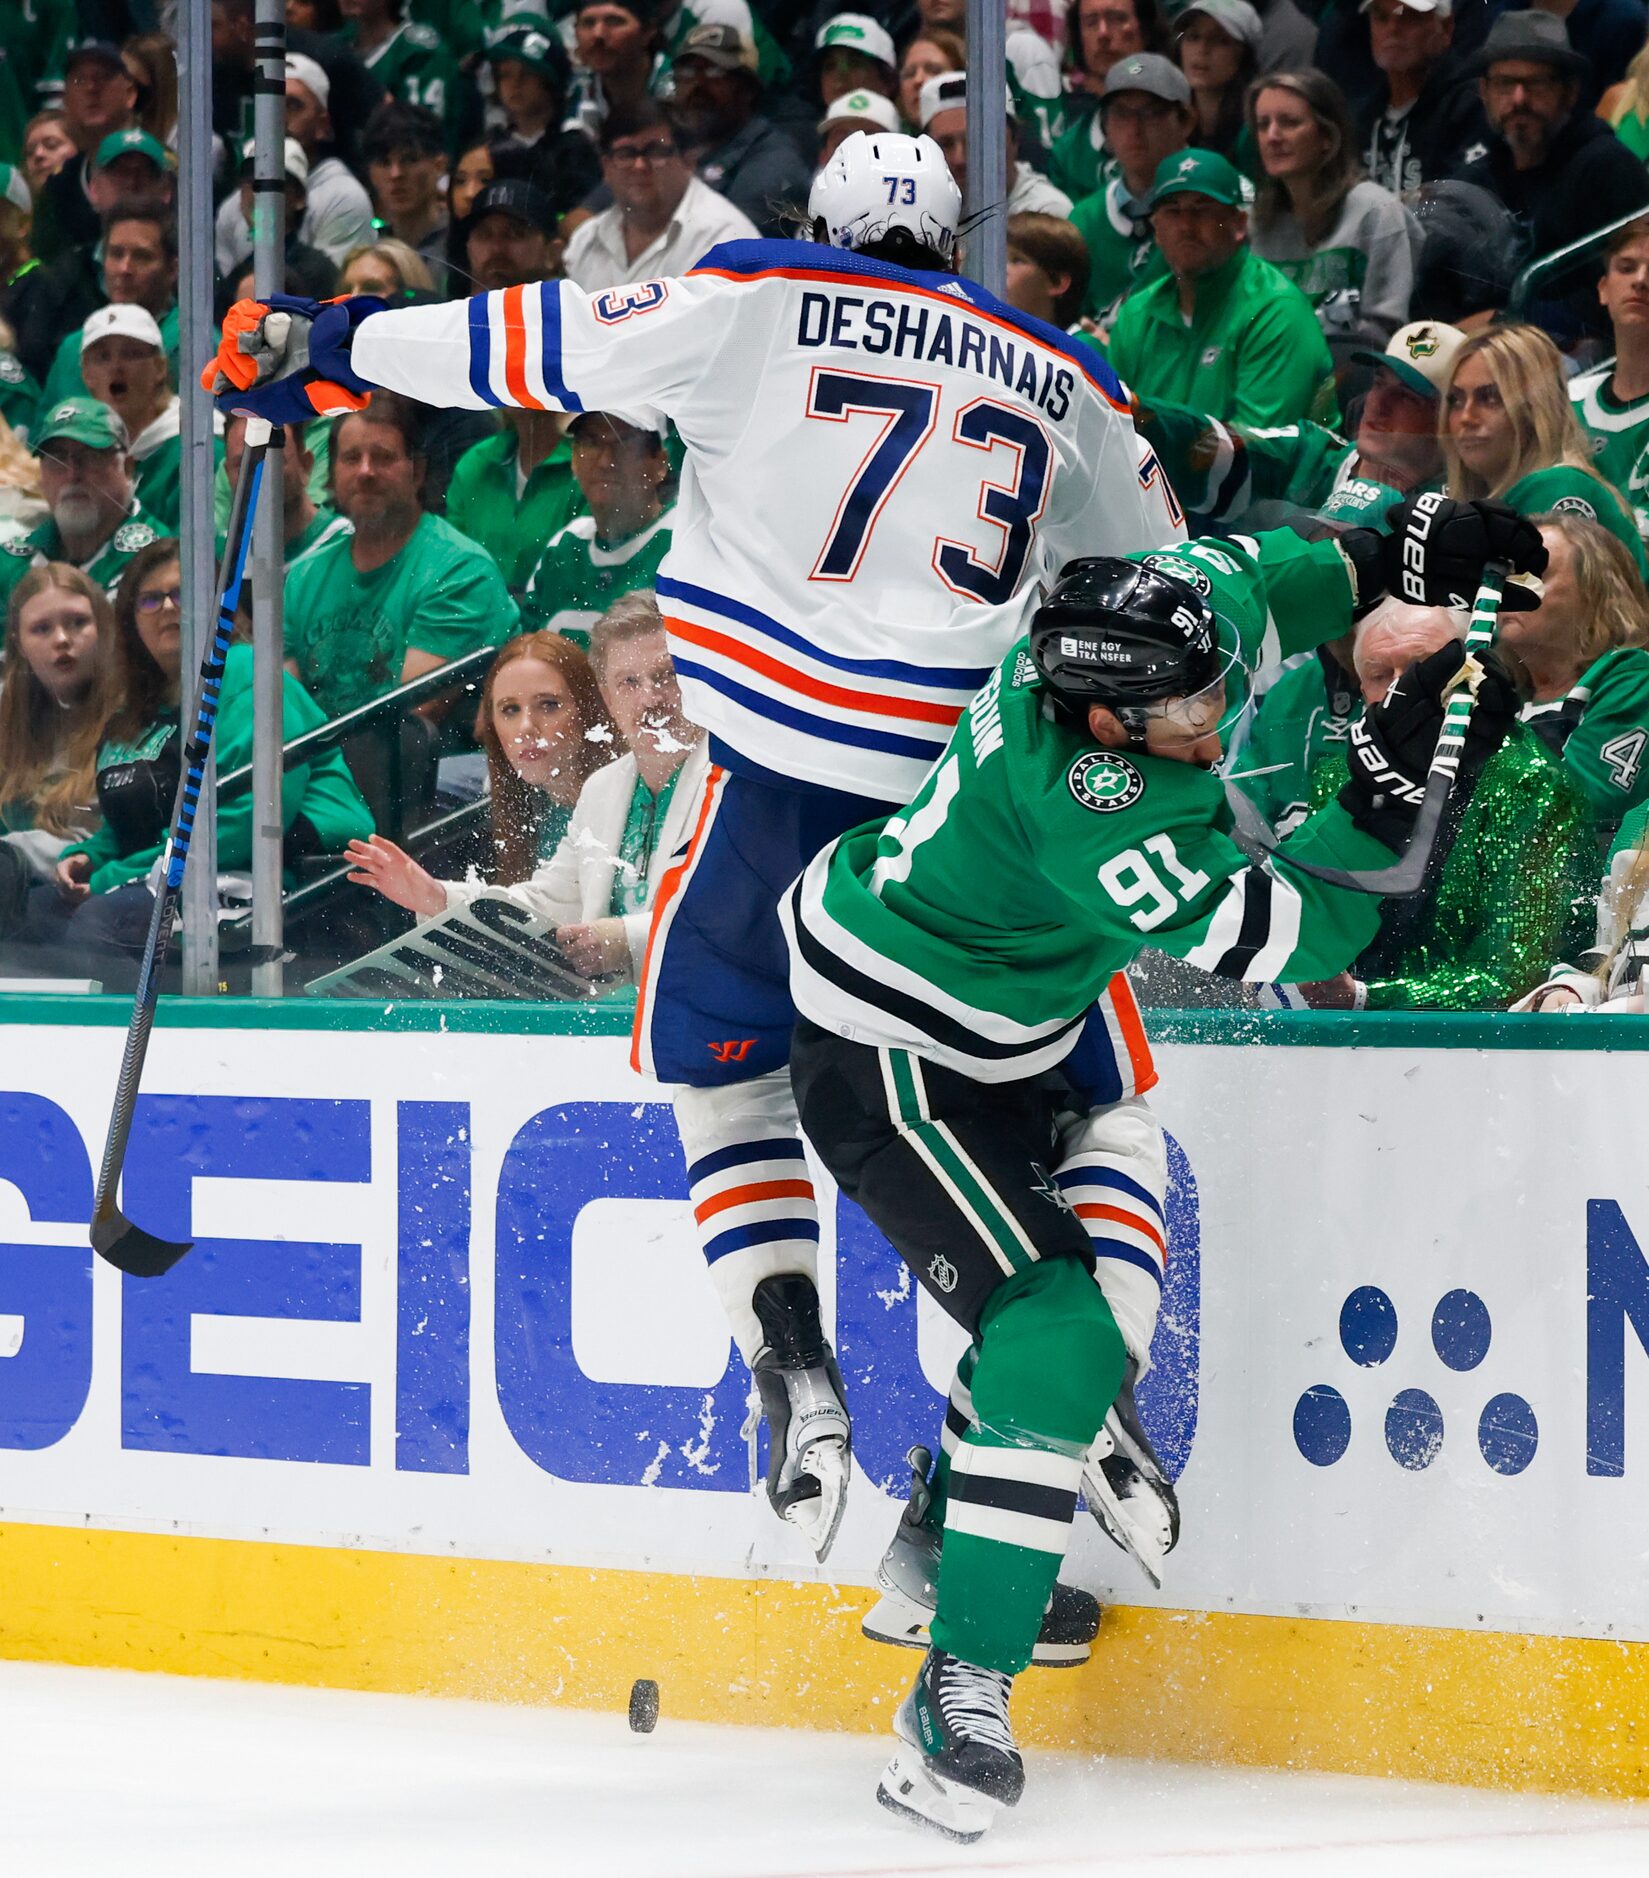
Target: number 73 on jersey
1014, 471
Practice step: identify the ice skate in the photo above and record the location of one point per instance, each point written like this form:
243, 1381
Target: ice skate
956, 1766
908, 1578
1126, 1489
803, 1404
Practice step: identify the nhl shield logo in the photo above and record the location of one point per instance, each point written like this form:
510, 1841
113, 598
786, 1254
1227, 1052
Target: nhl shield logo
943, 1273
1105, 782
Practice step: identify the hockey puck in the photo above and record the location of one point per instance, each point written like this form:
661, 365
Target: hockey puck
643, 1705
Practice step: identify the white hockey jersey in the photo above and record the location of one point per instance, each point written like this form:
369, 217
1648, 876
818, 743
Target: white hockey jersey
883, 468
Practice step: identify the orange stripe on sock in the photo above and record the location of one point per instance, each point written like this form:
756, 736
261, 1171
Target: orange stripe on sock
1091, 1209
757, 1190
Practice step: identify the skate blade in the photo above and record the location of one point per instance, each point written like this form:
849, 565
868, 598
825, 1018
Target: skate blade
895, 1620
1096, 1490
818, 1520
910, 1790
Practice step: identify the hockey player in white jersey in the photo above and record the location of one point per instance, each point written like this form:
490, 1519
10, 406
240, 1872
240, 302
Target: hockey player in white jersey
885, 465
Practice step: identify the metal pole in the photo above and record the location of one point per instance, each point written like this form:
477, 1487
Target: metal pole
269, 534
195, 342
987, 240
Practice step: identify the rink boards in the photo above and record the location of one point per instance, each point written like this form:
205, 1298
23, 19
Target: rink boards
442, 1399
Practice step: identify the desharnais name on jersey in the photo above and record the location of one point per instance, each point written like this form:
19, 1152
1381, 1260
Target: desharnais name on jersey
976, 927
883, 466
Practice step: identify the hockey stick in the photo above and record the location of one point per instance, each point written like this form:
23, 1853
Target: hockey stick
124, 1245
1403, 877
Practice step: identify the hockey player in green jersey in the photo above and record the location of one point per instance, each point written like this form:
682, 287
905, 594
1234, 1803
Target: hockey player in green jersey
945, 963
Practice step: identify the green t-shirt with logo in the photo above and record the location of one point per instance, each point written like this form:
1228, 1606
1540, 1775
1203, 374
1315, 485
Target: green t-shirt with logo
1121, 253
579, 577
1305, 714
106, 566
1572, 491
349, 632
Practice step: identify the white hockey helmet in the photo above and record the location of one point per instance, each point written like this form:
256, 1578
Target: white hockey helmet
876, 183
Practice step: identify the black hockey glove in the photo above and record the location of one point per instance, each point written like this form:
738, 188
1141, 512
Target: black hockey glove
1436, 550
1393, 742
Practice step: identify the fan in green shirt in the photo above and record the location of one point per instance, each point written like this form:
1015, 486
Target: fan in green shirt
96, 523
306, 523
507, 508
1145, 117
401, 595
1262, 477
1583, 651
410, 60
19, 396
1612, 402
1224, 331
1511, 433
624, 477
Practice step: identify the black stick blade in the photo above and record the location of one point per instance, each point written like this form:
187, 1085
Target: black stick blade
130, 1249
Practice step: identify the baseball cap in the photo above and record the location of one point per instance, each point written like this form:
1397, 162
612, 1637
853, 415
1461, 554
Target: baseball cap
311, 74
1540, 38
723, 47
14, 188
131, 142
858, 32
297, 164
1444, 7
948, 91
513, 197
525, 40
1420, 355
83, 420
122, 322
1194, 173
644, 421
865, 107
1234, 17
1149, 72
1360, 502
105, 51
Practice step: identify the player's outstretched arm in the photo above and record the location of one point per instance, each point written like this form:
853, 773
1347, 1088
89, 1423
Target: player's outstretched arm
543, 346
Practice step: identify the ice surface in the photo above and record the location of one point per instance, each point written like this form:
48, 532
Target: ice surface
105, 1773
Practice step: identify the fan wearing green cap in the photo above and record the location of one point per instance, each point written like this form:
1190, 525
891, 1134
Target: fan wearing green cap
1224, 331
96, 523
1225, 472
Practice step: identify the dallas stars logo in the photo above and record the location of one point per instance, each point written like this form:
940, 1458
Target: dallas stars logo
1423, 344
1105, 782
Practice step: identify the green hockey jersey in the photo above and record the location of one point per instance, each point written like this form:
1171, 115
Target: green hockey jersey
1602, 728
976, 927
1620, 437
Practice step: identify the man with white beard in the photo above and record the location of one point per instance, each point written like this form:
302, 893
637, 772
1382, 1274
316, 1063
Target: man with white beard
96, 522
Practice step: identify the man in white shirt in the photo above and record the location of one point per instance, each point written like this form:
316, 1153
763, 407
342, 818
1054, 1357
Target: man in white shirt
663, 219
338, 211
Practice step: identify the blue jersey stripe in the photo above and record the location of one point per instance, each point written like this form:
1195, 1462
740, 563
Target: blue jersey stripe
960, 678
480, 349
549, 301
763, 1232
741, 1154
1109, 1177
1125, 1255
823, 728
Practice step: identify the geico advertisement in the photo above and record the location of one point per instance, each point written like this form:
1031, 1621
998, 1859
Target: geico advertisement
445, 1297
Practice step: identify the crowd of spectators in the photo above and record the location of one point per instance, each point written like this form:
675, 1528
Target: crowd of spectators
1295, 228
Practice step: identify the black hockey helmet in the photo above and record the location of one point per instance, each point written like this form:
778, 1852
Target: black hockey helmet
1124, 635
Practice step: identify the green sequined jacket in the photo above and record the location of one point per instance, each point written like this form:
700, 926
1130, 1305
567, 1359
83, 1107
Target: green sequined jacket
1517, 884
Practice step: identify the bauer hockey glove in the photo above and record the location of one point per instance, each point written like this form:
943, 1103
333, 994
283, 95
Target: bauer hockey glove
1393, 742
286, 358
1435, 552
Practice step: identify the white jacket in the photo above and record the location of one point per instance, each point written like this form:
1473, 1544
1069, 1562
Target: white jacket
575, 885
